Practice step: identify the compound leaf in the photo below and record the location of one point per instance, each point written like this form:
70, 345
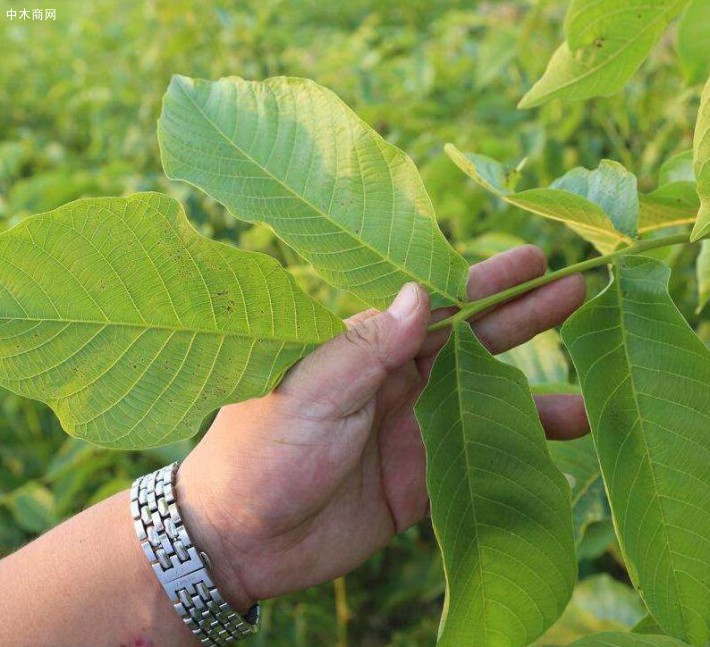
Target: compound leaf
289, 153
701, 162
500, 508
619, 639
644, 374
606, 42
133, 327
599, 205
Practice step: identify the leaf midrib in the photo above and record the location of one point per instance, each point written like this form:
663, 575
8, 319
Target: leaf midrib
459, 396
164, 327
327, 216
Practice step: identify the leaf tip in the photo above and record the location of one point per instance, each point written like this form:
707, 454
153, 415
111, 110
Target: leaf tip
181, 80
699, 232
528, 101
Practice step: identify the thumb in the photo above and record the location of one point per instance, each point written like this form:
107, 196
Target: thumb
343, 374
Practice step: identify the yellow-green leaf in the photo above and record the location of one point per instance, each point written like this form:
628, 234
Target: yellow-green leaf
599, 205
133, 327
606, 42
701, 162
289, 153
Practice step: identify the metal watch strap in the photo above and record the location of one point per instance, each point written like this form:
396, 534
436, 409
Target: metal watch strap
181, 568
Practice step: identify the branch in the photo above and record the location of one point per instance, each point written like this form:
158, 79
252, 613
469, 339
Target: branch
474, 307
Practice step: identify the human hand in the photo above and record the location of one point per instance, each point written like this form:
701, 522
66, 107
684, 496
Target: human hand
303, 485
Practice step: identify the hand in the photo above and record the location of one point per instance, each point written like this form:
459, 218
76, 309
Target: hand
303, 485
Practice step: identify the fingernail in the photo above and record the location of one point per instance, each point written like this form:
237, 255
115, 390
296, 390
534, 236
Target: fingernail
406, 302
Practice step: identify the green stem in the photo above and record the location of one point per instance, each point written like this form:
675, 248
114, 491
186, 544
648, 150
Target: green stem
473, 308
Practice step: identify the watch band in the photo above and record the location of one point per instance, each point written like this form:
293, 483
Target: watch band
182, 569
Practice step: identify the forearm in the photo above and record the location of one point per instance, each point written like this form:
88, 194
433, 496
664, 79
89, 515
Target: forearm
87, 582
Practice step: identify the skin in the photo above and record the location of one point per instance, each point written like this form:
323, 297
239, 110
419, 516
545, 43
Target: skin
290, 490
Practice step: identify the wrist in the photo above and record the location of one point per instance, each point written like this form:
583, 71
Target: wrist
197, 507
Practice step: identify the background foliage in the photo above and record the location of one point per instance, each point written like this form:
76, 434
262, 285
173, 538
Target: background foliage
79, 99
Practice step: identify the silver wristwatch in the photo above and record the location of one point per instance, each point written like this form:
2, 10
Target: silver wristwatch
182, 569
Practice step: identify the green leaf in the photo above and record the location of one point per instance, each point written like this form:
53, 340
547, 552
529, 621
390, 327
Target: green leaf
693, 37
678, 168
647, 625
671, 205
577, 459
611, 187
614, 639
33, 507
599, 603
606, 42
644, 374
500, 508
133, 327
599, 537
675, 202
289, 153
701, 162
599, 205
